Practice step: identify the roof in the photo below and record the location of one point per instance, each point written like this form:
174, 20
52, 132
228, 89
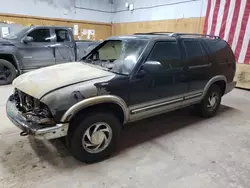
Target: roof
164, 35
142, 36
51, 26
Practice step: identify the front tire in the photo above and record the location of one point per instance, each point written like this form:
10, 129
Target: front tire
7, 72
211, 102
95, 137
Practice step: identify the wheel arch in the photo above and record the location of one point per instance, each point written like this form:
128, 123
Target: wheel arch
11, 58
219, 80
114, 103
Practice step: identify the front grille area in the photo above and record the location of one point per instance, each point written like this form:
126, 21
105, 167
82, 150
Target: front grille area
32, 109
25, 103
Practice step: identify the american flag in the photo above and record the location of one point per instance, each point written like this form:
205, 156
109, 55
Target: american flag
230, 20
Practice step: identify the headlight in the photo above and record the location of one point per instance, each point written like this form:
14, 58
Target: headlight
29, 102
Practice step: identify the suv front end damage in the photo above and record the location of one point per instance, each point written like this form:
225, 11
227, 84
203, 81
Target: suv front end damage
33, 117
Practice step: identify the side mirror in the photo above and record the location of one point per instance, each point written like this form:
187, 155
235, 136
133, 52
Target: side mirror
152, 66
149, 67
28, 39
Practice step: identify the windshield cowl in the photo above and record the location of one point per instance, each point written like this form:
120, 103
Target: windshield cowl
101, 65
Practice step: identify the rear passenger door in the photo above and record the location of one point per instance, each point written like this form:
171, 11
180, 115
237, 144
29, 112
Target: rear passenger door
198, 67
64, 46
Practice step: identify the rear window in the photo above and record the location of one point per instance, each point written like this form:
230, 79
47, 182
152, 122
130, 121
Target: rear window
220, 50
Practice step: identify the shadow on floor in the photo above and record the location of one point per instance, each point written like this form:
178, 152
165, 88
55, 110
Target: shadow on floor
55, 153
145, 130
135, 133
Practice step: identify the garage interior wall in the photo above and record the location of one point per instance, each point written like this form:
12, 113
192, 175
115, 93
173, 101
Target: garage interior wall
161, 15
111, 17
87, 14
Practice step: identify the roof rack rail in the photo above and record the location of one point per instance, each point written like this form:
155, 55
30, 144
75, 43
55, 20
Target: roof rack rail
155, 33
173, 34
193, 34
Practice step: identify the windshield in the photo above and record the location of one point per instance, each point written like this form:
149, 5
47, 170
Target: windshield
118, 56
17, 34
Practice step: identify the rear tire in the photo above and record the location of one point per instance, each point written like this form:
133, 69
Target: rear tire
211, 102
7, 72
95, 137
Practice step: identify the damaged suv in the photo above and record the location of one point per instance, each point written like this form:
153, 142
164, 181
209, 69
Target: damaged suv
124, 79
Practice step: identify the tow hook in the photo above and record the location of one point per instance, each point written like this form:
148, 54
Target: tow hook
23, 133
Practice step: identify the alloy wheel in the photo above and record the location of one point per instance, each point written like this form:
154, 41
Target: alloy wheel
5, 73
97, 137
212, 101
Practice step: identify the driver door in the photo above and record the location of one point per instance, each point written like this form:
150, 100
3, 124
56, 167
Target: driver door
161, 89
37, 53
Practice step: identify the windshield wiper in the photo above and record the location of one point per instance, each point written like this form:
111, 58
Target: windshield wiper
99, 63
103, 65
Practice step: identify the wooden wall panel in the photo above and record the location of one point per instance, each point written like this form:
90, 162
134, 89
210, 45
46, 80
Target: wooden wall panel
243, 76
189, 25
103, 30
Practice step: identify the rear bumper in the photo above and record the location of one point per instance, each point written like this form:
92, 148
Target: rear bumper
39, 132
230, 86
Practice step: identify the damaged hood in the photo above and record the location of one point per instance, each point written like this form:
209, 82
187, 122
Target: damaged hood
41, 81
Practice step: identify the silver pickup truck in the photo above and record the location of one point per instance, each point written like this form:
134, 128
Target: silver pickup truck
39, 46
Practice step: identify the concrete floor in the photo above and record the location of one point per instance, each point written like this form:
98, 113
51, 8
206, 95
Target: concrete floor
176, 150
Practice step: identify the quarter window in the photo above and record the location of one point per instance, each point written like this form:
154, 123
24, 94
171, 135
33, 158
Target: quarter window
220, 50
167, 53
40, 35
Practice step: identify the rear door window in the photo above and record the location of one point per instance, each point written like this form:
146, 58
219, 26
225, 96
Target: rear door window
62, 35
167, 53
195, 53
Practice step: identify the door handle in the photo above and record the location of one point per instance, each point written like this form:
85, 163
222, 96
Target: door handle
183, 78
183, 75
50, 46
53, 45
229, 63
